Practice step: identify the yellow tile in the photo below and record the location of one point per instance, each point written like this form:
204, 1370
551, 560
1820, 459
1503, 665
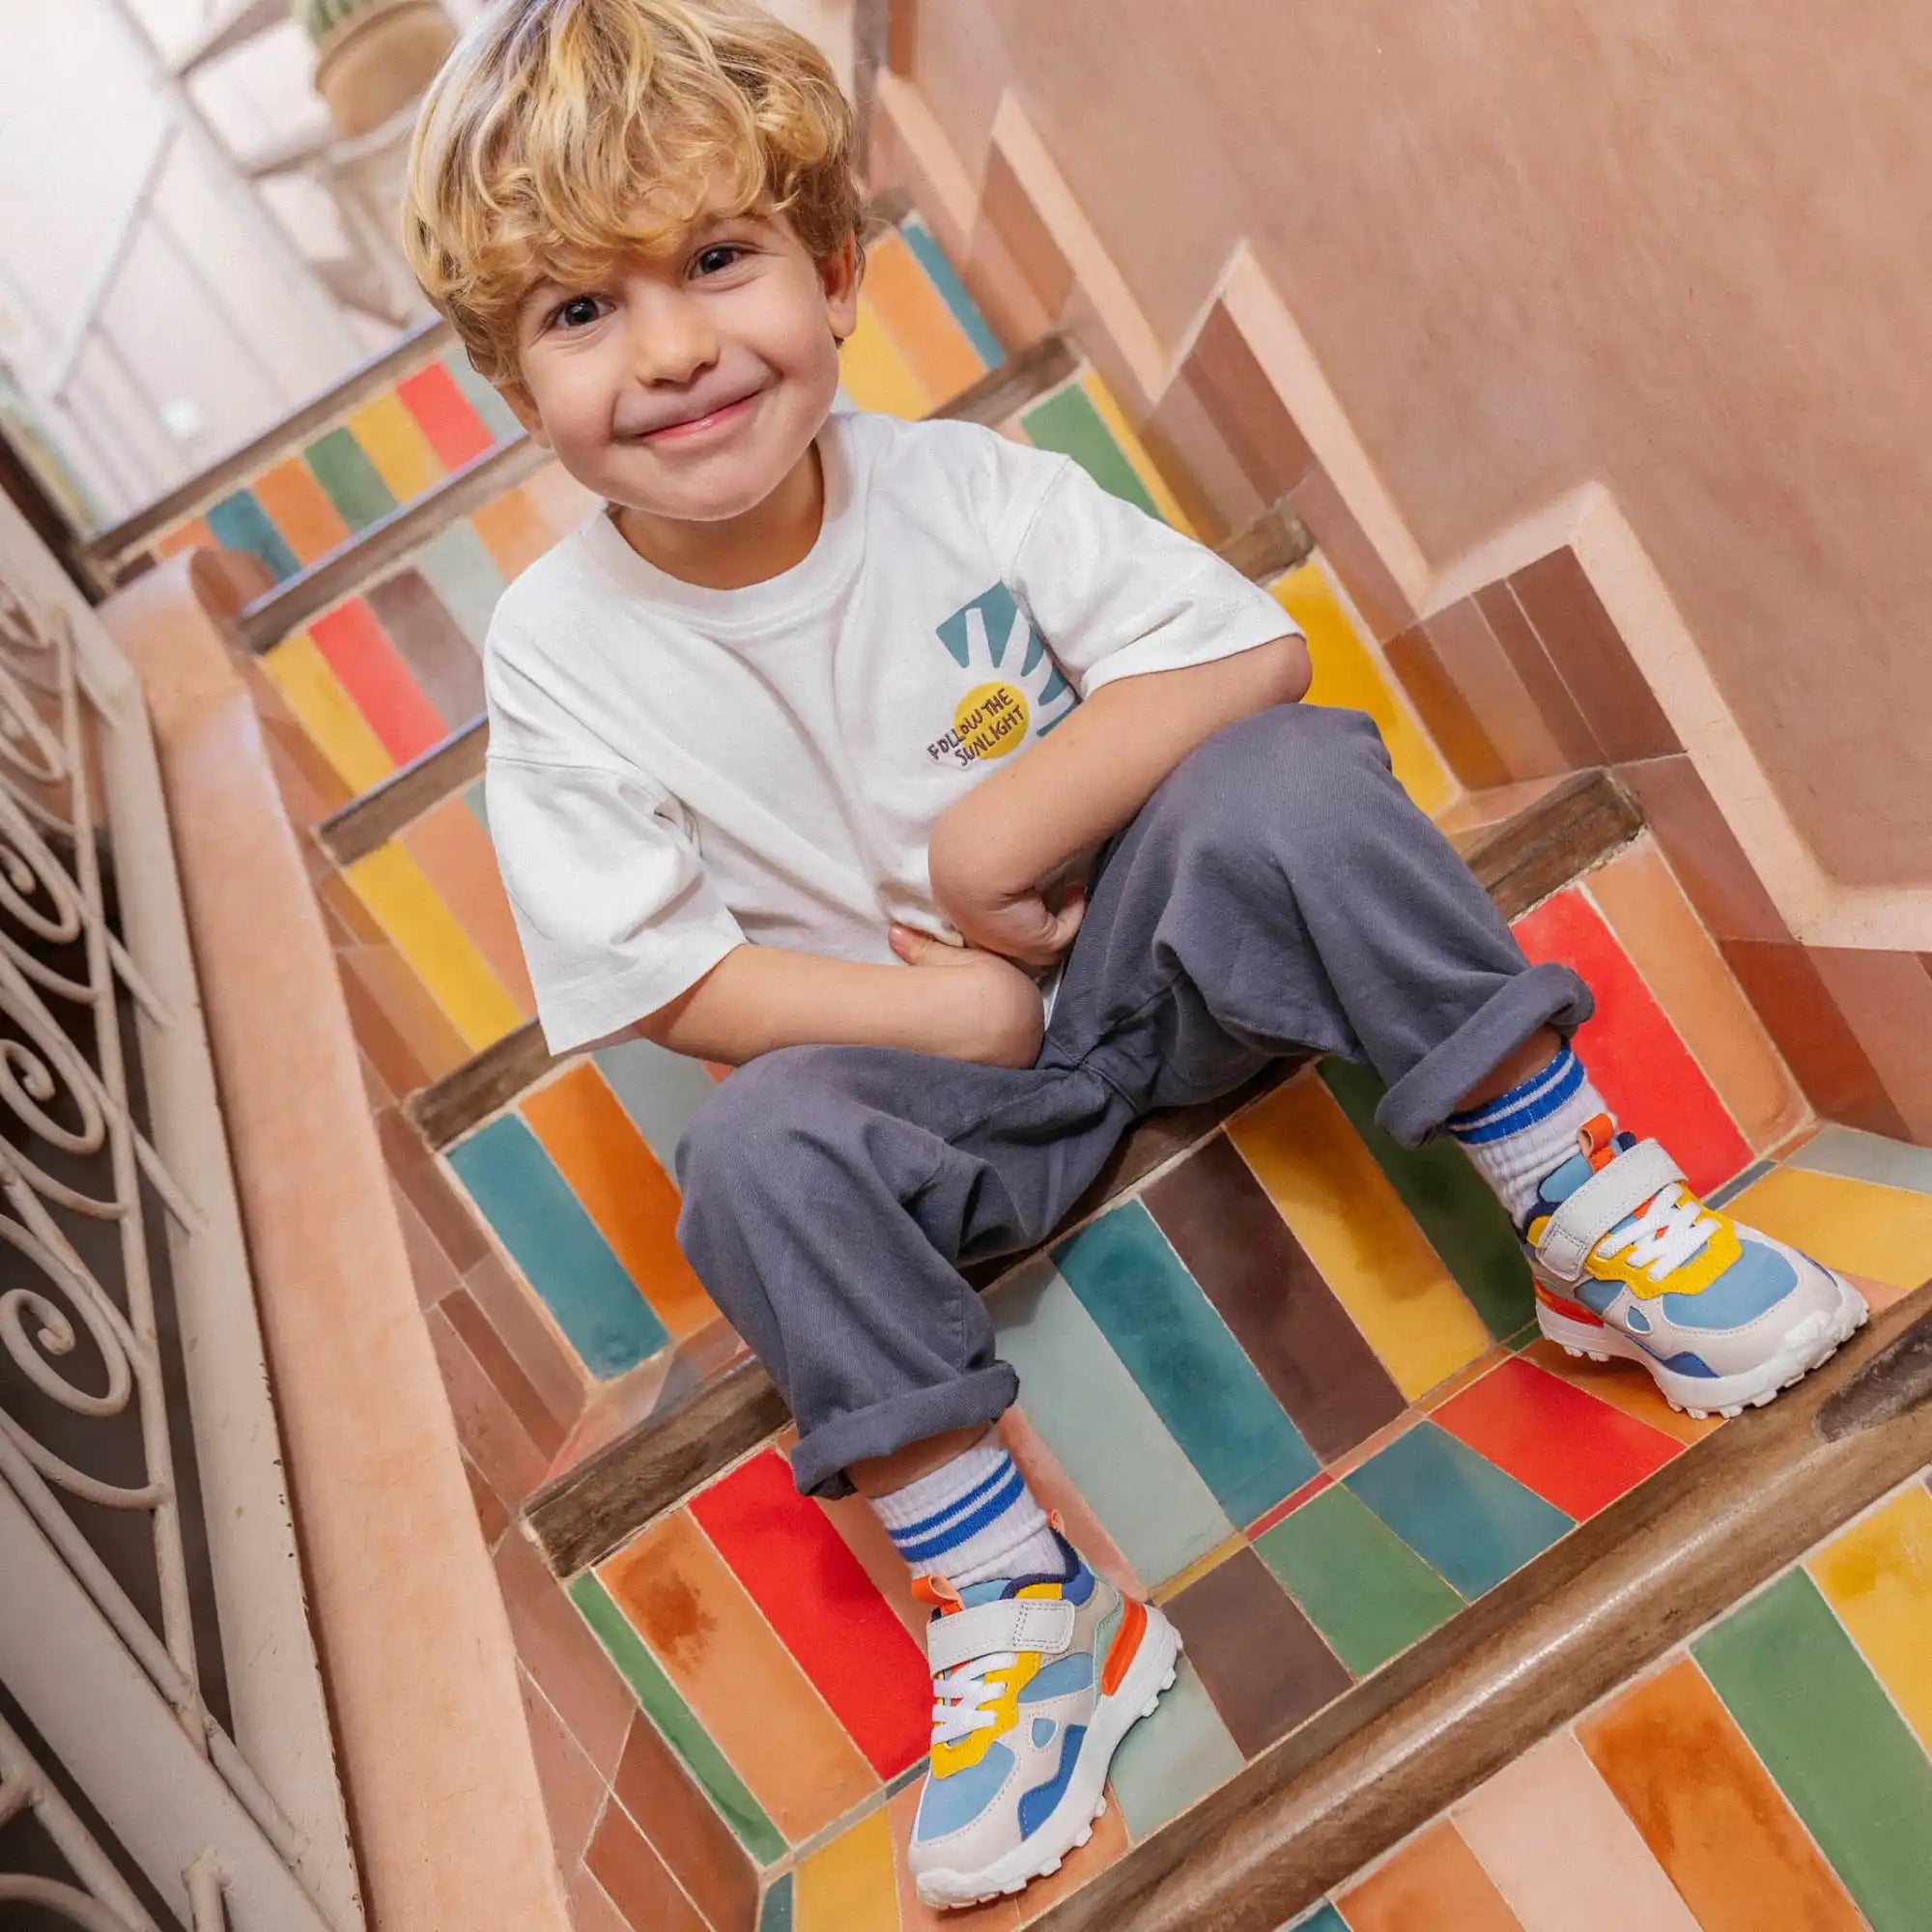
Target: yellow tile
876, 376
1348, 674
1854, 1225
423, 929
326, 712
1359, 1233
392, 440
849, 1887
1135, 451
1878, 1580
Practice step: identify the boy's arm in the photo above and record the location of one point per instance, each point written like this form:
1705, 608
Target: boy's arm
991, 851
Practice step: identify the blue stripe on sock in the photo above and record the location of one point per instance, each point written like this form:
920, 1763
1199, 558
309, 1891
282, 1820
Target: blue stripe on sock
954, 1534
912, 1532
1522, 1108
1518, 1095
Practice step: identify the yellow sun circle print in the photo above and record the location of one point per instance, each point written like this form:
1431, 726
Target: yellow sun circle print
991, 720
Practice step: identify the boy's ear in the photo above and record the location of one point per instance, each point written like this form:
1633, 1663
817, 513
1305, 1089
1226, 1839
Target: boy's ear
839, 275
525, 410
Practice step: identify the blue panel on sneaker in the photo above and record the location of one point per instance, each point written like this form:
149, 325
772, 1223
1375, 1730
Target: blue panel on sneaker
1042, 1732
1684, 1363
1065, 1674
1037, 1804
1637, 1321
1759, 1279
949, 1803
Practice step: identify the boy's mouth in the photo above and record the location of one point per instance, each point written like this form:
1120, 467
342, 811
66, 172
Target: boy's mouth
720, 416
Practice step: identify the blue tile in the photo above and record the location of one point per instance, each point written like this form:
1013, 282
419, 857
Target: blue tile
775, 1915
1460, 1513
1738, 1182
660, 1089
240, 523
516, 1186
1323, 1918
953, 291
1861, 1156
1176, 1346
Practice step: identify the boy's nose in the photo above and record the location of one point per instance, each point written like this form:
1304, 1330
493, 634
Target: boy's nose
670, 340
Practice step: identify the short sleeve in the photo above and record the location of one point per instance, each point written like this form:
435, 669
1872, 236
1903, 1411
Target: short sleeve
1117, 593
609, 897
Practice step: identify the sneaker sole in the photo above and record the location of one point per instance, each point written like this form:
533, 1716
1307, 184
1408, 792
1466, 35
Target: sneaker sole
1070, 1821
1812, 1343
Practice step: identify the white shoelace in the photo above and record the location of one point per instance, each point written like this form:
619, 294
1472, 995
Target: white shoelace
1661, 1236
962, 1695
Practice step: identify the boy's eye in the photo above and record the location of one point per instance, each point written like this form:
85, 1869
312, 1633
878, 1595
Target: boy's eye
719, 256
579, 312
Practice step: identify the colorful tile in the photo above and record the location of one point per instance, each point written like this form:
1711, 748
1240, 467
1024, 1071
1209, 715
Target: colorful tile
824, 1607
660, 1089
1830, 1737
774, 1915
915, 316
301, 509
444, 415
1323, 1918
497, 415
874, 372
616, 1178
1368, 1593
1708, 1810
1433, 1884
1095, 1419
1470, 1521
945, 278
850, 1885
1623, 1385
1234, 1241
1883, 1233
675, 1721
1860, 1156
1453, 1204
384, 690
240, 522
1635, 1057
464, 575
1116, 426
1577, 1453
343, 468
328, 713
431, 642
397, 448
460, 862
565, 1258
1068, 422
194, 534
513, 533
1181, 1754
739, 1680
1262, 1661
1351, 1220
1190, 1368
1878, 1577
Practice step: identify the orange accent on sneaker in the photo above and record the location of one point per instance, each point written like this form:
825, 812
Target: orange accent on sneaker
1596, 1140
1125, 1646
1571, 1311
936, 1594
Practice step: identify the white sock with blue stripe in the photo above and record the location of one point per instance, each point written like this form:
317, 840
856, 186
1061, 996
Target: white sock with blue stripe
1520, 1136
972, 1520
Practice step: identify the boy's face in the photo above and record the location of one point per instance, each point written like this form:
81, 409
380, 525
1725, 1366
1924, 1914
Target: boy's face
687, 385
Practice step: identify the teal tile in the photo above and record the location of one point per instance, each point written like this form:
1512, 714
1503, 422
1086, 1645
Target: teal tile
676, 1721
1738, 1182
1323, 1918
1181, 1754
1862, 1157
1835, 1741
1465, 1223
953, 291
463, 573
1095, 1420
240, 522
1069, 423
1368, 1593
660, 1089
497, 416
1175, 1345
516, 1186
1463, 1516
346, 474
775, 1915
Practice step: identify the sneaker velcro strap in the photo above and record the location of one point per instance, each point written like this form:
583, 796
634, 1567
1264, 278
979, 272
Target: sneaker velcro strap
1610, 1195
1043, 1624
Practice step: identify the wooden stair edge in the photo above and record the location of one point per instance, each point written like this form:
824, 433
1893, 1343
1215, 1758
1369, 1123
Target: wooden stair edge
584, 1514
1595, 1610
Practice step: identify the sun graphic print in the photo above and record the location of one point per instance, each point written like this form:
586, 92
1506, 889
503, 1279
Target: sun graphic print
1019, 690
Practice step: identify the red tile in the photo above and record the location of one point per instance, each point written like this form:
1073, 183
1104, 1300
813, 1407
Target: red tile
1639, 1064
816, 1596
454, 430
1574, 1450
379, 683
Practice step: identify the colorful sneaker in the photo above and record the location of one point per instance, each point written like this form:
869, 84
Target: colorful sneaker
1036, 1681
1629, 1262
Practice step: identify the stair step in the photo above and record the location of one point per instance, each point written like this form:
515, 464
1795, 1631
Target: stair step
588, 1510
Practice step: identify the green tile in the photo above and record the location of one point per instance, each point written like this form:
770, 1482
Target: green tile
674, 1719
349, 478
1181, 1754
1070, 424
1835, 1743
1362, 1587
774, 1915
1451, 1202
660, 1089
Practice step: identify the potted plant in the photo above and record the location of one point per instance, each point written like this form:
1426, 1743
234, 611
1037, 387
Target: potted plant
373, 58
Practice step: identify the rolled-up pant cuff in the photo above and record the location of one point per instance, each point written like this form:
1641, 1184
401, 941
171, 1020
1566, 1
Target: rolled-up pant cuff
819, 1460
1544, 995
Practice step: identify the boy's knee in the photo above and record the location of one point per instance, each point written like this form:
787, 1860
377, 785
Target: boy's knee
739, 1133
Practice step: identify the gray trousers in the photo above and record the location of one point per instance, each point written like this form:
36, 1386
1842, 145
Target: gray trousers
1278, 896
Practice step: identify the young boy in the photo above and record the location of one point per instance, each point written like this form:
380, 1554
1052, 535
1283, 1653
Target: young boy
801, 752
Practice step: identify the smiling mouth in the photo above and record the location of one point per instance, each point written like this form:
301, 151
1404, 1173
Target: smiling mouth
692, 426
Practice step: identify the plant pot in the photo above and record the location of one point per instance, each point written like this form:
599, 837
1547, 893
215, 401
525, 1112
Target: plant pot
376, 62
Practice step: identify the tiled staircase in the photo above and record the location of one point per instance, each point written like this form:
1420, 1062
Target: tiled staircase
1278, 1373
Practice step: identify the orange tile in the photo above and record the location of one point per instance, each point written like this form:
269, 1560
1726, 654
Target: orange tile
185, 536
299, 506
1433, 1884
453, 849
1623, 1385
614, 1173
1709, 1811
1656, 926
513, 533
752, 1700
917, 319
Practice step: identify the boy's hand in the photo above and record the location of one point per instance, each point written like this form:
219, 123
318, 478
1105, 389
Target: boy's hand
1016, 925
1001, 1019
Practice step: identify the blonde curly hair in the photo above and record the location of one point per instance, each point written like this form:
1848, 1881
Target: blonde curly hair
562, 136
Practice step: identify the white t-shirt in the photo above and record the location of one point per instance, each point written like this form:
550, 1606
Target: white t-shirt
675, 771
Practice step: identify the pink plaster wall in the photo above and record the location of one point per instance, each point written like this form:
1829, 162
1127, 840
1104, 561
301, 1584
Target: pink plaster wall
1680, 246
